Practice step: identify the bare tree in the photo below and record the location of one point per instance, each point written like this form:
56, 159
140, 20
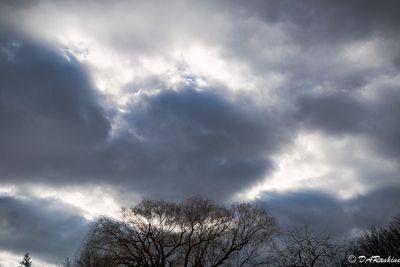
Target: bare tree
304, 247
379, 241
196, 232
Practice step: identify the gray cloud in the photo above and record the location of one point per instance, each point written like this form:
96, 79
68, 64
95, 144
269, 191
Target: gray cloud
173, 143
336, 113
330, 20
347, 113
327, 213
318, 210
48, 111
189, 142
375, 208
184, 142
47, 229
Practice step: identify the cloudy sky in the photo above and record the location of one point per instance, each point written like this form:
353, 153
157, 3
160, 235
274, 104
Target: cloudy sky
294, 105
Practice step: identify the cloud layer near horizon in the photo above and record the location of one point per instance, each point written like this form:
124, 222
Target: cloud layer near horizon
290, 102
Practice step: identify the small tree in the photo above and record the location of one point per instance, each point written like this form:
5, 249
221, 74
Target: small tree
26, 261
307, 248
67, 263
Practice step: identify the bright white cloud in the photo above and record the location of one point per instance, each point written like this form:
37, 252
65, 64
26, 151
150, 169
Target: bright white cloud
90, 201
337, 166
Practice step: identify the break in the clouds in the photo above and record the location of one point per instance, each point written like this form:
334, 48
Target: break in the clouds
287, 103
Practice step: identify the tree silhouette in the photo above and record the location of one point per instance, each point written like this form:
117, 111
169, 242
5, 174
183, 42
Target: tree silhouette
307, 248
379, 241
195, 232
26, 261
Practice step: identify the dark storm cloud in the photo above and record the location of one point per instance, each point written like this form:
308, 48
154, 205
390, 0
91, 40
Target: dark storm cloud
336, 91
316, 209
327, 21
47, 229
173, 144
49, 116
18, 4
312, 42
352, 96
176, 143
375, 208
336, 112
345, 113
326, 213
188, 142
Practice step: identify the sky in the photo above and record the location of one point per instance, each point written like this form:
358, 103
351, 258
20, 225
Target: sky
291, 105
